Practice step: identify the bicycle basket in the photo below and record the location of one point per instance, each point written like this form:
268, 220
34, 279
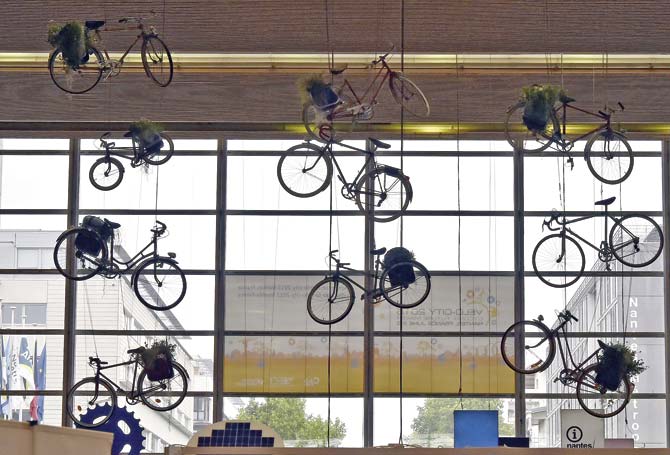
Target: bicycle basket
611, 368
323, 96
98, 225
87, 242
160, 368
400, 275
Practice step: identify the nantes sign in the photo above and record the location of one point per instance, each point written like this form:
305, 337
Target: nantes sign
580, 430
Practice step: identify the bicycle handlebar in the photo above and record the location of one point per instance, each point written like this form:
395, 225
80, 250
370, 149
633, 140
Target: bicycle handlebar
383, 57
567, 315
133, 19
159, 229
553, 217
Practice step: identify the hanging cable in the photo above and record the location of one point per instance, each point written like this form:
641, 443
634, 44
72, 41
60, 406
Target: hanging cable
458, 192
402, 218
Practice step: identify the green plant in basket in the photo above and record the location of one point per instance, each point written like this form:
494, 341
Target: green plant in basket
310, 85
540, 100
617, 361
71, 39
146, 130
158, 348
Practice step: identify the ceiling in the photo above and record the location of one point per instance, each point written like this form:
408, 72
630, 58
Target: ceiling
267, 27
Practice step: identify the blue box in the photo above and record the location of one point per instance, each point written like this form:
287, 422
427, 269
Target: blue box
475, 429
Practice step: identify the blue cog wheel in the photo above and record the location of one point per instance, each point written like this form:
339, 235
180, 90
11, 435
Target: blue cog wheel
135, 439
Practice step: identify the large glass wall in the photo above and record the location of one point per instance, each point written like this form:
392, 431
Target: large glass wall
272, 249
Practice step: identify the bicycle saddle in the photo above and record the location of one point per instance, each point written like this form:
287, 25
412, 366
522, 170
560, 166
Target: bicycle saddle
338, 70
602, 344
94, 25
563, 98
97, 360
379, 144
606, 202
112, 224
378, 251
138, 350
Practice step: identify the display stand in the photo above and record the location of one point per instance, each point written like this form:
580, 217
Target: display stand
22, 438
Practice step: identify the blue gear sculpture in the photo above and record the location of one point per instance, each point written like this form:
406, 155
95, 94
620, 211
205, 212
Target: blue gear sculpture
135, 439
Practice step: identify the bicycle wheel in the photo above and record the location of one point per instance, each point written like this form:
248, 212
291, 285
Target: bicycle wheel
159, 283
330, 300
304, 175
521, 138
391, 193
90, 253
409, 95
405, 294
80, 80
539, 347
317, 123
636, 240
160, 395
85, 396
157, 60
106, 173
598, 401
556, 266
609, 157
163, 155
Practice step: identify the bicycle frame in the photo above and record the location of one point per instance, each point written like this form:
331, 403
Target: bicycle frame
563, 109
142, 36
387, 74
99, 373
139, 257
121, 152
566, 230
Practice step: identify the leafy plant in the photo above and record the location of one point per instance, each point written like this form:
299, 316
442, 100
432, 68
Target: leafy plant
158, 348
146, 130
71, 39
617, 361
540, 100
309, 84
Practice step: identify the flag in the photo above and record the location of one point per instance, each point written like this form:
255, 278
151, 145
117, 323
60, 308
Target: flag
25, 368
4, 399
13, 380
37, 404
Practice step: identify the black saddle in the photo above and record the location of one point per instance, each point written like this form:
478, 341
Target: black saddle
602, 344
139, 350
563, 98
94, 25
112, 224
379, 144
378, 251
338, 70
606, 202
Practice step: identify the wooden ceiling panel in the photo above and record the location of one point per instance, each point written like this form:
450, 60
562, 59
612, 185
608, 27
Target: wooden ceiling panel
444, 26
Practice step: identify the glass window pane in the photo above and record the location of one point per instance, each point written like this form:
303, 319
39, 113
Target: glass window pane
34, 144
32, 301
32, 362
28, 182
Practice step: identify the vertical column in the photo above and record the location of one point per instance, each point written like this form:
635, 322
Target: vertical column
70, 311
368, 316
220, 280
519, 383
666, 277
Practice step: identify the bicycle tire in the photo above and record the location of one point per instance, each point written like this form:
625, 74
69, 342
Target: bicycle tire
145, 62
540, 367
544, 279
112, 162
424, 110
317, 123
589, 157
349, 298
392, 299
616, 251
165, 155
62, 268
510, 124
375, 176
590, 372
71, 396
141, 393
149, 286
96, 79
290, 153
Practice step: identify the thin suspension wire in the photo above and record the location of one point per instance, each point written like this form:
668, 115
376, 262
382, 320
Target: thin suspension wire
402, 218
458, 191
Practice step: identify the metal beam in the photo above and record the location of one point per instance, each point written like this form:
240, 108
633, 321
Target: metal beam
368, 312
220, 282
666, 281
70, 310
519, 379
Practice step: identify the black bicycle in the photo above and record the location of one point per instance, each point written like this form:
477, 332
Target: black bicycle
306, 169
107, 172
539, 349
99, 389
633, 240
158, 281
404, 285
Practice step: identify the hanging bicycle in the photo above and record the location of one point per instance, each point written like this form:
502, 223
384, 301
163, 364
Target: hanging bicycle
306, 170
607, 152
162, 393
559, 261
329, 105
539, 349
106, 173
97, 65
157, 281
401, 281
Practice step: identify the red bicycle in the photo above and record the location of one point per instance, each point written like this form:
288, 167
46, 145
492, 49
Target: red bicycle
345, 104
